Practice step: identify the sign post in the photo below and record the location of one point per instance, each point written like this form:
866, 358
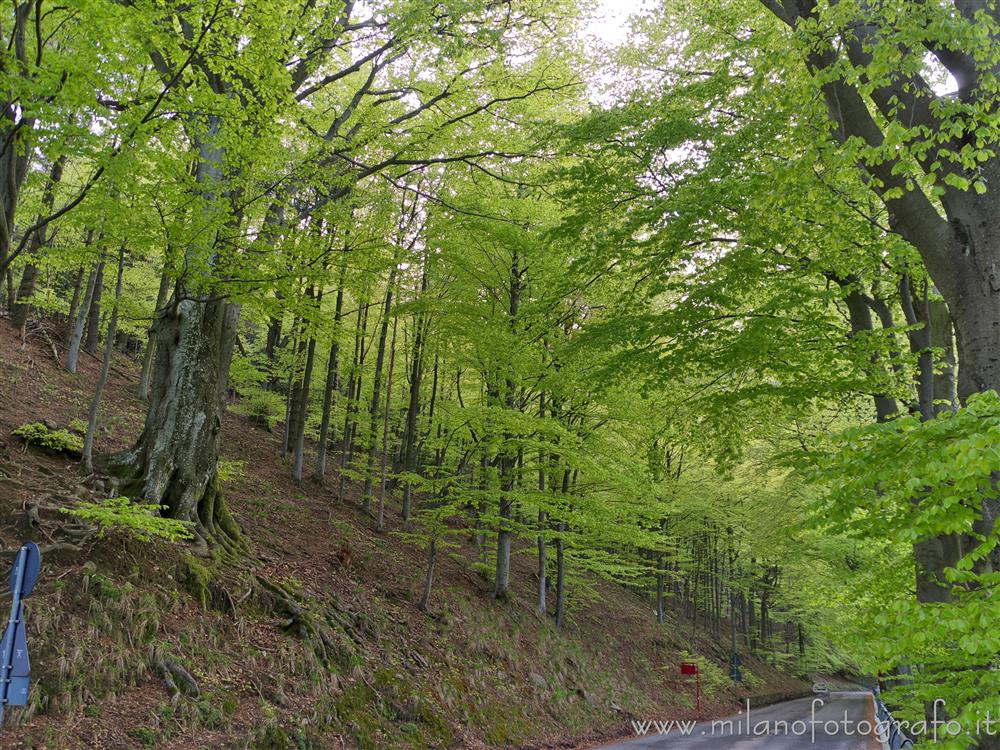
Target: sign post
690, 668
14, 665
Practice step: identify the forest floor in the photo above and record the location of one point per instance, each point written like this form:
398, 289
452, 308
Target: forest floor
108, 620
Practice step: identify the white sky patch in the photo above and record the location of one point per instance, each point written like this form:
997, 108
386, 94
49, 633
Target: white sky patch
610, 22
608, 29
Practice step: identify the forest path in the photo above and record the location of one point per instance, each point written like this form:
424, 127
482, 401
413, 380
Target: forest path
844, 721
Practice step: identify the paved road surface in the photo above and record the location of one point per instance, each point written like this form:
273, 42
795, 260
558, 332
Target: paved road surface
816, 728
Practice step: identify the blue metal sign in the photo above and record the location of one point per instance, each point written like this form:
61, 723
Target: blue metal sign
14, 664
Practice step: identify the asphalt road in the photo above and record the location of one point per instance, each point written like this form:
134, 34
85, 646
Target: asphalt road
839, 724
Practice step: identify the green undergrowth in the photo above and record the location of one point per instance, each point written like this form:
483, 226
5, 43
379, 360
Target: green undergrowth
105, 630
53, 439
380, 676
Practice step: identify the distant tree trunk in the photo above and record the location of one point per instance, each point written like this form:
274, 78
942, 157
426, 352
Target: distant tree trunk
542, 522
374, 410
302, 403
383, 471
87, 462
74, 302
542, 561
22, 301
76, 339
413, 408
332, 383
302, 412
429, 575
353, 399
150, 350
506, 459
93, 339
479, 537
661, 612
8, 281
294, 388
286, 433
271, 346
560, 576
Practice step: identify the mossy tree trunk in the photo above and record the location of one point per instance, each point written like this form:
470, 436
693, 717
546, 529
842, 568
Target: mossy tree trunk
174, 462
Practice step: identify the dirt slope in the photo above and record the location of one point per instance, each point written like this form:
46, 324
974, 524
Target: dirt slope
353, 663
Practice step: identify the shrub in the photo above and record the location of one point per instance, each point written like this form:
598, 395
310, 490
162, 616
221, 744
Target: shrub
264, 407
57, 441
138, 520
230, 470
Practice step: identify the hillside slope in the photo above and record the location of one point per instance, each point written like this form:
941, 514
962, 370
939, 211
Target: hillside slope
316, 640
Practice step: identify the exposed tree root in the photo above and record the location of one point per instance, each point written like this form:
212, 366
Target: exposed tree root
302, 619
176, 679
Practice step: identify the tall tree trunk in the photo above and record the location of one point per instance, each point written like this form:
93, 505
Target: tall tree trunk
560, 576
87, 462
353, 399
17, 127
383, 471
374, 410
150, 350
93, 339
174, 463
507, 458
293, 387
22, 302
302, 403
542, 521
74, 303
413, 408
332, 382
960, 249
76, 339
661, 577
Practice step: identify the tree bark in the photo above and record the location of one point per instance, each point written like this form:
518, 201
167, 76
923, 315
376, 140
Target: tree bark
413, 408
93, 339
332, 383
374, 410
560, 576
87, 461
174, 464
16, 149
76, 339
353, 399
150, 350
301, 404
384, 471
74, 303
22, 301
507, 458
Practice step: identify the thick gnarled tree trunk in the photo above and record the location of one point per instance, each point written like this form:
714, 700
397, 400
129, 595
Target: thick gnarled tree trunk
173, 464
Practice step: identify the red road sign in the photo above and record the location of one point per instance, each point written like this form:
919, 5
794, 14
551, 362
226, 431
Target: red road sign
689, 668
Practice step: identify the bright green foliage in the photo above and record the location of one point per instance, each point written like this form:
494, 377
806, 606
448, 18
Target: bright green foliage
137, 520
58, 440
653, 333
893, 485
